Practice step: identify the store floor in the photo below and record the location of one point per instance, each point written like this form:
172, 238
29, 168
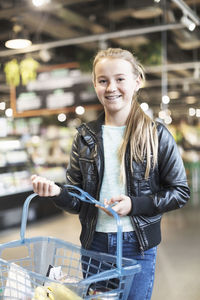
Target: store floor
178, 262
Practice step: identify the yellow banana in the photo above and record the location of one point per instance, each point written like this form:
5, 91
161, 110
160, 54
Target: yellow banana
40, 293
55, 291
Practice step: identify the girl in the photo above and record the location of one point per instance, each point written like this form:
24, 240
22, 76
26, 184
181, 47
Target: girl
125, 158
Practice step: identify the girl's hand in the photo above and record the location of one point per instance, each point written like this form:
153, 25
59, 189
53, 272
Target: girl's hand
44, 187
121, 204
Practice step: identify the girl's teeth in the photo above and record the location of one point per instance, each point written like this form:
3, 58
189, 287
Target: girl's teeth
112, 97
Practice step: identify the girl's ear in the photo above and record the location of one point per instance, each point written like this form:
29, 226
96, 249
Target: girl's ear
139, 83
93, 80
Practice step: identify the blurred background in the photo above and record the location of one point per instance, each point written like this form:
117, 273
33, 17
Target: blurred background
46, 53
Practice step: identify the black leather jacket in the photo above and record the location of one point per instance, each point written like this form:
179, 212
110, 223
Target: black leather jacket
165, 189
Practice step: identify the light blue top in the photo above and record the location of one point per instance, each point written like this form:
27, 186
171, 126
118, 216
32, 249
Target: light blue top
111, 185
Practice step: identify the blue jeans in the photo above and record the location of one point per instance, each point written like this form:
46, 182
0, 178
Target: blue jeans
143, 281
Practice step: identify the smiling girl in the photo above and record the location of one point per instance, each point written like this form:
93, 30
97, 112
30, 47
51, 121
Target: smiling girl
125, 158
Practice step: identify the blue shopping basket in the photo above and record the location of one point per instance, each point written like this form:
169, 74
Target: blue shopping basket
91, 275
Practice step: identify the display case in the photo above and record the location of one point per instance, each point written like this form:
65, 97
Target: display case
16, 167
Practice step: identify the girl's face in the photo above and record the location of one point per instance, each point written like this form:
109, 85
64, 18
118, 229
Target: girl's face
115, 84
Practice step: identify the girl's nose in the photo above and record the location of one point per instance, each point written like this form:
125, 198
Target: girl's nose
111, 86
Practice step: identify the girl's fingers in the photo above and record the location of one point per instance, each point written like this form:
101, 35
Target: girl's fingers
116, 199
104, 208
33, 177
51, 190
40, 188
40, 185
44, 187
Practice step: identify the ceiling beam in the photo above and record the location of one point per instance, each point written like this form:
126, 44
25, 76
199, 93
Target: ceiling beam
92, 38
173, 67
171, 81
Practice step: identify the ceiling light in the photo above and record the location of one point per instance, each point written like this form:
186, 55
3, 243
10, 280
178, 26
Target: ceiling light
80, 110
144, 106
173, 94
198, 112
18, 43
9, 112
168, 120
18, 38
192, 111
188, 23
162, 114
62, 117
2, 105
40, 2
187, 11
165, 99
190, 100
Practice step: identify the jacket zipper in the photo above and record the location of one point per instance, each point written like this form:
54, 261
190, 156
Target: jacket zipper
87, 240
137, 229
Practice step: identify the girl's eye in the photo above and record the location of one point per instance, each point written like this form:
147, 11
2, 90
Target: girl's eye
120, 79
102, 81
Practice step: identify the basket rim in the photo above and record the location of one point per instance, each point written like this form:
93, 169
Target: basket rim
59, 242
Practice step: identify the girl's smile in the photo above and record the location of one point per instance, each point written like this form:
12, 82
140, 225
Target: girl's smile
113, 97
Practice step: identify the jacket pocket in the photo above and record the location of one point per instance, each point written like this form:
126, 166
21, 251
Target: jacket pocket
152, 234
148, 229
144, 187
141, 185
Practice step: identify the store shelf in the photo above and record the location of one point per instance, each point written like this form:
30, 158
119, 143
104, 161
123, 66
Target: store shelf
44, 153
14, 167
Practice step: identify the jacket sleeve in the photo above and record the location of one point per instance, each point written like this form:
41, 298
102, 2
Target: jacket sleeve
173, 190
73, 177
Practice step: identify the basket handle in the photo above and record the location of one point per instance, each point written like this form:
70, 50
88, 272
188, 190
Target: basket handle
85, 197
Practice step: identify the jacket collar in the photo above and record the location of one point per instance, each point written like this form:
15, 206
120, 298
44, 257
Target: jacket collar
92, 131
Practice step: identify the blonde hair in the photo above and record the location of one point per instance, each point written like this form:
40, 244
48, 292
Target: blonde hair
140, 130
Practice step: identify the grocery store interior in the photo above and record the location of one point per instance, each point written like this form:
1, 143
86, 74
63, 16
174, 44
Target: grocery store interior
46, 92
